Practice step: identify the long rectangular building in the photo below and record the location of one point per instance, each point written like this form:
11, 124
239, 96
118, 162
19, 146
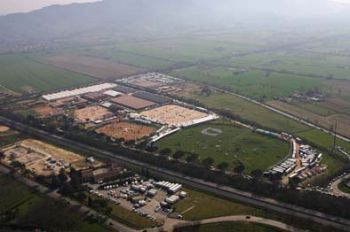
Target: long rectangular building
79, 91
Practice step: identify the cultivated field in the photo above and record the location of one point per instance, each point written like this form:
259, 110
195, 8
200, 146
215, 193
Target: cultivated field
91, 114
173, 115
126, 130
233, 145
343, 121
24, 75
257, 84
96, 67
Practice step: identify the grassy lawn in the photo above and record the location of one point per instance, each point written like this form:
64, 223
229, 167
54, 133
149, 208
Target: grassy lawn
343, 187
257, 84
233, 145
130, 218
231, 227
201, 205
249, 111
23, 75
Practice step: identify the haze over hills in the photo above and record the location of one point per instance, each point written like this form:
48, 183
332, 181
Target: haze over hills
115, 16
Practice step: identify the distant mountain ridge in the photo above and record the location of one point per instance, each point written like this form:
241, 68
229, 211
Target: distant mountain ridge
137, 15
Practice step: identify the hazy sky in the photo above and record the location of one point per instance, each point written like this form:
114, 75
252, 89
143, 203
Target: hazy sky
12, 6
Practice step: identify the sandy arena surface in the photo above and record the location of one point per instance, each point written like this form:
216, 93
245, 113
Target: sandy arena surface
126, 130
173, 115
91, 113
4, 129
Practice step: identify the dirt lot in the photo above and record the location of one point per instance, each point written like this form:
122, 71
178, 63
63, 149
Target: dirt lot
173, 115
324, 121
44, 159
99, 68
4, 129
91, 114
45, 111
126, 130
146, 83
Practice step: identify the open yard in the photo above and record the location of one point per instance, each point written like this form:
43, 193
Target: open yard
233, 145
24, 75
126, 130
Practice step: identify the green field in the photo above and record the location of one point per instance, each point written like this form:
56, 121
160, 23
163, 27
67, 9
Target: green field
32, 208
130, 58
231, 227
248, 111
130, 218
322, 139
199, 205
22, 75
301, 62
261, 85
234, 145
343, 187
185, 49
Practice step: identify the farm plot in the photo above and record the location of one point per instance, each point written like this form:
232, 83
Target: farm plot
233, 146
141, 61
256, 84
24, 75
126, 130
309, 64
91, 114
184, 50
343, 121
95, 67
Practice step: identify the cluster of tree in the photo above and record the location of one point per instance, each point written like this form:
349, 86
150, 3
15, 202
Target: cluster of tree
311, 200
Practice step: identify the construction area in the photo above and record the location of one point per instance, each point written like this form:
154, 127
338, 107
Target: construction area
43, 159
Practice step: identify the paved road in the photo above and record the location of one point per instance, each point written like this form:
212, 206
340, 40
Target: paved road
335, 189
55, 195
245, 218
223, 191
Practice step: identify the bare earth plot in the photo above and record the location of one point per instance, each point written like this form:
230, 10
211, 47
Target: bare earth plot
126, 130
96, 67
91, 114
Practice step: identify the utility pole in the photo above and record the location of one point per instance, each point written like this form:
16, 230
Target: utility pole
335, 137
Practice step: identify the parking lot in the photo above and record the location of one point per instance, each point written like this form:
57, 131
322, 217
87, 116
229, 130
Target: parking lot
146, 197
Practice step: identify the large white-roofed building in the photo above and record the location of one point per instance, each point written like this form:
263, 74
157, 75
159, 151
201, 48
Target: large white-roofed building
79, 91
